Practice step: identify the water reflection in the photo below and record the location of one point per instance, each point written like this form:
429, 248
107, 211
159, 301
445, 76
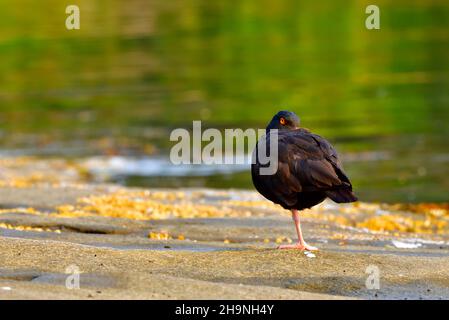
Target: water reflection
137, 69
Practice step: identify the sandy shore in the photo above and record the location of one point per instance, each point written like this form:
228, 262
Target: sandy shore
224, 247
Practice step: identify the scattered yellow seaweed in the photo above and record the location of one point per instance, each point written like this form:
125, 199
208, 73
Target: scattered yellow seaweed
436, 210
403, 224
163, 235
24, 172
159, 235
263, 204
20, 210
140, 205
282, 239
27, 228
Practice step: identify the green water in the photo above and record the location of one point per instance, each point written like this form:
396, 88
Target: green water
137, 69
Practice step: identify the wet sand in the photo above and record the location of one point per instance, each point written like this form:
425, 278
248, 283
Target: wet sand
225, 248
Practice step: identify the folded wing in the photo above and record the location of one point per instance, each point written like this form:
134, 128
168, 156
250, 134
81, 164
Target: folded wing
308, 165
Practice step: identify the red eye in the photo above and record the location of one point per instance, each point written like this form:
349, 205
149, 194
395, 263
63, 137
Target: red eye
282, 121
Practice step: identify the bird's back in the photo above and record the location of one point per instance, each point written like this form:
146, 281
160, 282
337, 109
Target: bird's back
308, 171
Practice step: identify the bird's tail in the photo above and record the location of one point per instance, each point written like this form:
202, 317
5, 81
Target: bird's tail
342, 195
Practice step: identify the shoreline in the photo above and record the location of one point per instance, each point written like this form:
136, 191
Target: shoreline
203, 244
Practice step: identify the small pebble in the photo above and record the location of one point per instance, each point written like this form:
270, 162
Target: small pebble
309, 254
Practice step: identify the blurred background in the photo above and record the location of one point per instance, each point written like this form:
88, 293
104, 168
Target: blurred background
110, 93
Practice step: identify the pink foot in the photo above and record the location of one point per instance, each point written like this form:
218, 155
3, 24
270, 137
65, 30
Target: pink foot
298, 246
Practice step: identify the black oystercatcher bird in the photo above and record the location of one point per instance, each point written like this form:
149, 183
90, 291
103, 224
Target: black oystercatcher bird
308, 171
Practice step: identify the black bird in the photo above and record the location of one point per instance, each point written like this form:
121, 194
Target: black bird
308, 171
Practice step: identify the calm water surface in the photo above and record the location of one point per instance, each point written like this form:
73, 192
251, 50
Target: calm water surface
137, 69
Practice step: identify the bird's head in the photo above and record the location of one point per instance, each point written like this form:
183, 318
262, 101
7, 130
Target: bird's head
284, 120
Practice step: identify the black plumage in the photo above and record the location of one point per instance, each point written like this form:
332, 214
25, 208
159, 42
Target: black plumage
308, 172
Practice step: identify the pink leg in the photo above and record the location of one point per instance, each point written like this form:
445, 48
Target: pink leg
301, 245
